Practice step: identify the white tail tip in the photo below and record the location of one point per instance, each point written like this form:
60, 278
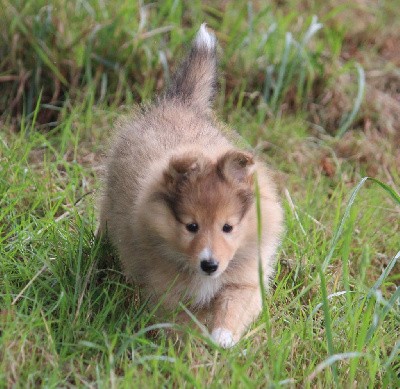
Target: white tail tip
205, 39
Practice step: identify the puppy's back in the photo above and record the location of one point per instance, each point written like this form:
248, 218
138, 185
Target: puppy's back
179, 119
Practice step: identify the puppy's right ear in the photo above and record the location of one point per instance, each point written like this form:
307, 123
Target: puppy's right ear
181, 168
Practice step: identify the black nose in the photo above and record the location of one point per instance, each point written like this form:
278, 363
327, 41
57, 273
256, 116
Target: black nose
209, 265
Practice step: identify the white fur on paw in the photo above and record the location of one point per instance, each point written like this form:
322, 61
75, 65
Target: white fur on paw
223, 337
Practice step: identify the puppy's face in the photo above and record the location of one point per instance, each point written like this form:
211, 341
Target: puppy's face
207, 208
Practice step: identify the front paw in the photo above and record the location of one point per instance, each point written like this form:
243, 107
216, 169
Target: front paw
223, 337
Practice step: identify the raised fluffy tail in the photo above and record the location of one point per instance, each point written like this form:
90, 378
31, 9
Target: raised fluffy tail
194, 82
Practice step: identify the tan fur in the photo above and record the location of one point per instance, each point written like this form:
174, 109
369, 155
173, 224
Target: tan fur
172, 165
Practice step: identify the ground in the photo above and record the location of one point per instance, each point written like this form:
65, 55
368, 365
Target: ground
313, 86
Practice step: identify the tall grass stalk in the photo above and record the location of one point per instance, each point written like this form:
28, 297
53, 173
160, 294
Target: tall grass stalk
328, 322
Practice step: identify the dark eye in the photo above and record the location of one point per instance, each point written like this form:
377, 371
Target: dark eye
227, 228
192, 227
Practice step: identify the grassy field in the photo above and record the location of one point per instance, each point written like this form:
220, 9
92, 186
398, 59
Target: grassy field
313, 86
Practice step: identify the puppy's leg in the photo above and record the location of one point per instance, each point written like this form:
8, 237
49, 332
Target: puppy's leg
183, 322
201, 316
234, 309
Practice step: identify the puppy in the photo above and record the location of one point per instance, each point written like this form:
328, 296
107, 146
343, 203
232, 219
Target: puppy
180, 205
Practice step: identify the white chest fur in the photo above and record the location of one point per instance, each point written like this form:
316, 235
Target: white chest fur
203, 289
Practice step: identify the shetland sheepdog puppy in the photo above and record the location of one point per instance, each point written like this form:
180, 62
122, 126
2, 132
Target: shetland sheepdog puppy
179, 204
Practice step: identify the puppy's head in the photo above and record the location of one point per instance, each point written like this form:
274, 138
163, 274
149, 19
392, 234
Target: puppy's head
207, 206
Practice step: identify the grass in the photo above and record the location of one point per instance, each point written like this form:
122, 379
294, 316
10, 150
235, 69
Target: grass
68, 69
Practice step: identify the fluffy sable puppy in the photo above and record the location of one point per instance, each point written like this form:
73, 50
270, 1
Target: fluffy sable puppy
179, 204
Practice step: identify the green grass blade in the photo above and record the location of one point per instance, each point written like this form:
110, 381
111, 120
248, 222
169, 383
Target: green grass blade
282, 71
384, 274
346, 214
357, 103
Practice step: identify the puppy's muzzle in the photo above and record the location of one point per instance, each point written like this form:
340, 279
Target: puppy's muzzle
209, 266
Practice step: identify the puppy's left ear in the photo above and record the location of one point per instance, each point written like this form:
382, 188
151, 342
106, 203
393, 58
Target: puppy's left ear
237, 166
